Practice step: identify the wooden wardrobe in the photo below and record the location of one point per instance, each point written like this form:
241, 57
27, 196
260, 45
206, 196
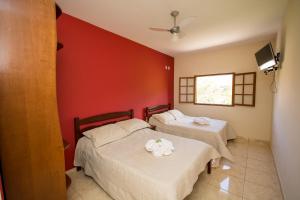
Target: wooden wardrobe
31, 147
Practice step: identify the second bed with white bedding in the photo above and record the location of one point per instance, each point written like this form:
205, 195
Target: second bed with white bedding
215, 133
125, 170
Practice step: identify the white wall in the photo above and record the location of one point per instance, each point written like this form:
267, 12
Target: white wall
286, 117
250, 122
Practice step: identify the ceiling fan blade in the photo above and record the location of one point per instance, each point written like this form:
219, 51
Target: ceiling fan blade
159, 29
186, 21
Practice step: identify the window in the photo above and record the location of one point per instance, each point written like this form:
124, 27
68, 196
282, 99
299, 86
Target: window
186, 90
244, 89
228, 89
216, 89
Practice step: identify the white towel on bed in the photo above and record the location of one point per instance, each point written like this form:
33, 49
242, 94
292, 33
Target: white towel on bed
202, 120
159, 147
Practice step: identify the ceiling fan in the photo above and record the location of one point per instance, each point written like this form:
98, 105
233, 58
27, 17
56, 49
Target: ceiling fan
175, 30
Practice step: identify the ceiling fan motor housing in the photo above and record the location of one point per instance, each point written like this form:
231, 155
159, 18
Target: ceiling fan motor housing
175, 29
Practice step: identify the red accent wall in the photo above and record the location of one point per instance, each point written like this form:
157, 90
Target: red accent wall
98, 72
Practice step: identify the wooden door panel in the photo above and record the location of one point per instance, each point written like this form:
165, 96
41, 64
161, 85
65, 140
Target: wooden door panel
31, 144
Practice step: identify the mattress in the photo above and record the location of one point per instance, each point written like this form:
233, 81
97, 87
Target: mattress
216, 133
125, 170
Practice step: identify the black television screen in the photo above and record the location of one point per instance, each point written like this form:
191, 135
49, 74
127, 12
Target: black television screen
265, 57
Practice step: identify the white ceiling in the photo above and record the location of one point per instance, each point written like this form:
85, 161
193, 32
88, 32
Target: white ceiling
218, 22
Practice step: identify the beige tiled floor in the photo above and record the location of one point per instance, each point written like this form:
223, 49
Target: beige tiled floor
251, 177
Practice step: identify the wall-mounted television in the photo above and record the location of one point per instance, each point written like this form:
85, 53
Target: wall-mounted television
266, 59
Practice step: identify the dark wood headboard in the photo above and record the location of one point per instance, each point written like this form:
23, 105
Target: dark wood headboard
84, 124
151, 110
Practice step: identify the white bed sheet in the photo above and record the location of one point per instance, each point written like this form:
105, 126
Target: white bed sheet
125, 170
215, 134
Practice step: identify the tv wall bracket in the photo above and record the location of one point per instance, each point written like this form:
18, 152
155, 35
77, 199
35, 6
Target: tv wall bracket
274, 68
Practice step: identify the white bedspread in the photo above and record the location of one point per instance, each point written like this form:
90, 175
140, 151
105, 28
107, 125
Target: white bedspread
125, 170
215, 134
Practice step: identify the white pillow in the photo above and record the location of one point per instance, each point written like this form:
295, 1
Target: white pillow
176, 113
105, 134
164, 117
132, 125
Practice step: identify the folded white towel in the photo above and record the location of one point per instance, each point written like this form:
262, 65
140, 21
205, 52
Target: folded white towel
159, 147
149, 145
202, 120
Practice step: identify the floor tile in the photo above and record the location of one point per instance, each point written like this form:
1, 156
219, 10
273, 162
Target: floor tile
73, 194
259, 149
208, 192
266, 166
228, 184
235, 144
262, 178
94, 194
258, 143
240, 160
82, 182
231, 168
260, 155
239, 150
256, 192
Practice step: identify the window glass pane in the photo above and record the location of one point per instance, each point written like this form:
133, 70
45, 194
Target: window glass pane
238, 99
191, 81
190, 90
249, 78
238, 89
214, 89
183, 98
183, 90
248, 89
190, 98
183, 82
248, 99
238, 79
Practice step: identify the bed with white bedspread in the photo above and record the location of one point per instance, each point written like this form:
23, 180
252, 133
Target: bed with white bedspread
216, 132
125, 170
